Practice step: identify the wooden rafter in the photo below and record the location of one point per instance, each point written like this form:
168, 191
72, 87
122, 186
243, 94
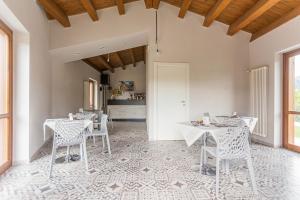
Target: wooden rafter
184, 7
148, 3
132, 57
287, 17
155, 4
91, 64
253, 13
89, 7
105, 64
121, 7
120, 60
55, 11
215, 12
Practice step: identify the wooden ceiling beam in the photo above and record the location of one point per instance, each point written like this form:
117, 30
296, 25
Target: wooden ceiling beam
87, 61
121, 7
105, 64
215, 12
184, 8
148, 3
89, 7
155, 4
285, 18
120, 60
253, 13
55, 11
132, 57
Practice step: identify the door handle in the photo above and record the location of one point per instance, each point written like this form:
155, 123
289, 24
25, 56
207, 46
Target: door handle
182, 101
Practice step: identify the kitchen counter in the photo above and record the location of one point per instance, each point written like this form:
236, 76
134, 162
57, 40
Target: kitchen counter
126, 102
129, 110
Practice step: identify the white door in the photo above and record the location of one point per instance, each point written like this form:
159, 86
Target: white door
172, 99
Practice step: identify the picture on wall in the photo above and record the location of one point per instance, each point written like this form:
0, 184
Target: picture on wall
126, 85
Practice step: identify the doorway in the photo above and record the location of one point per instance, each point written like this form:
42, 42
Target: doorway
291, 100
171, 99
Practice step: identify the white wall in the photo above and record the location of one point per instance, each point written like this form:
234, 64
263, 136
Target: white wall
31, 98
67, 86
218, 77
136, 74
268, 50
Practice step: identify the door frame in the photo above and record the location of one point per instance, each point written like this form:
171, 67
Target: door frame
155, 78
285, 96
9, 114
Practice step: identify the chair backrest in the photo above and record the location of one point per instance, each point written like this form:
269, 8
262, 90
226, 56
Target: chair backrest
104, 122
232, 142
68, 132
85, 115
251, 122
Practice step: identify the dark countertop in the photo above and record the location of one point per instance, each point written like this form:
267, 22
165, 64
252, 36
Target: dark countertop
126, 102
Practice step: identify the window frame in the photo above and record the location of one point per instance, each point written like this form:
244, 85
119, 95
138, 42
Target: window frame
286, 106
9, 114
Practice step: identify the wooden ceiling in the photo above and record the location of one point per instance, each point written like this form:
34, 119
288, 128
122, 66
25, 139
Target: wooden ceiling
117, 59
257, 17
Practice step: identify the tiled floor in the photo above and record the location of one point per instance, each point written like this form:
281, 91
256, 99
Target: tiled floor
139, 169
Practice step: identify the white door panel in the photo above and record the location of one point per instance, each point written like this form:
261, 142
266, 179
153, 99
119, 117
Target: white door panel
172, 99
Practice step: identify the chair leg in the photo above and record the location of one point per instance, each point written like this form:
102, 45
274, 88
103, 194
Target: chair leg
81, 152
103, 142
217, 176
85, 156
94, 140
111, 123
68, 153
108, 144
52, 160
252, 175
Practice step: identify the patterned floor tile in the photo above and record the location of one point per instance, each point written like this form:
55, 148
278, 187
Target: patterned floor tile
142, 169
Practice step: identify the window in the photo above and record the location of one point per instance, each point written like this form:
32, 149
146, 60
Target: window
90, 101
291, 101
5, 97
92, 94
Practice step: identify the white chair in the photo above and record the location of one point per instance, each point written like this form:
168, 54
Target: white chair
66, 134
103, 132
232, 143
87, 116
110, 119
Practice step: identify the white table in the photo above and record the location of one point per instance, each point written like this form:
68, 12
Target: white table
192, 133
50, 123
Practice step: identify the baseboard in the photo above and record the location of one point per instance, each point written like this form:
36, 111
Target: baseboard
262, 142
35, 155
20, 162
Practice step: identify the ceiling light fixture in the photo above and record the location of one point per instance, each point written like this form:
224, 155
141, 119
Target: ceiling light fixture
108, 58
156, 35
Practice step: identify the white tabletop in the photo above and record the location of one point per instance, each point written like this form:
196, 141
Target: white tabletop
192, 133
50, 123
